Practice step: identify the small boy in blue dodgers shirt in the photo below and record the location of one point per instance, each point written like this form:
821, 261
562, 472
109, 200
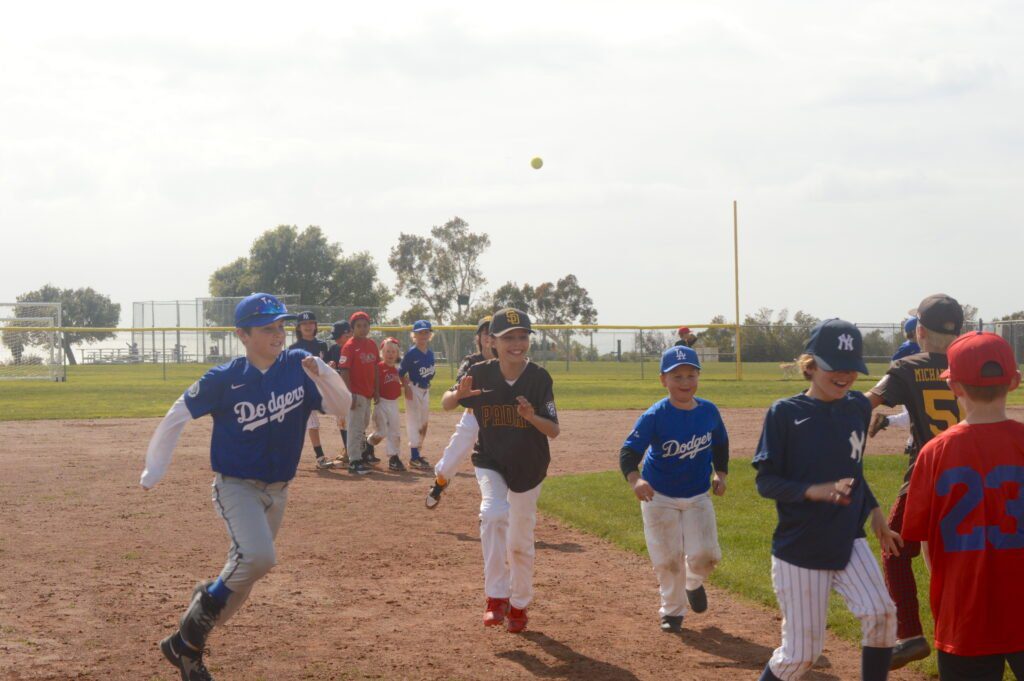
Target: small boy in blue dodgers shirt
417, 371
810, 461
680, 439
260, 404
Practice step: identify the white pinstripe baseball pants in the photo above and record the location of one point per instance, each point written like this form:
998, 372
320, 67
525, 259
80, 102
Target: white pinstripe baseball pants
803, 597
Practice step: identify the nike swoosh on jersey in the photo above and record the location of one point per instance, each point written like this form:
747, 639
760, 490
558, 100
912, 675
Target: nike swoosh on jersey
797, 422
236, 387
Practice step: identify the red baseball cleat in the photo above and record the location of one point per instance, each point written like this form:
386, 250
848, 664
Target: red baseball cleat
517, 620
496, 610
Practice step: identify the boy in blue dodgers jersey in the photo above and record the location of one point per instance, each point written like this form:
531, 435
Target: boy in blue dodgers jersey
810, 461
417, 371
680, 439
260, 404
305, 339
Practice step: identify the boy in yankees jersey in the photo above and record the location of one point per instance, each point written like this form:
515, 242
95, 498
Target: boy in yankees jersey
513, 402
260, 404
810, 461
964, 505
915, 381
417, 371
679, 439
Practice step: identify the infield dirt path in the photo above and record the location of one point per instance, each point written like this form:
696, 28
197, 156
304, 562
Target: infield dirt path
369, 584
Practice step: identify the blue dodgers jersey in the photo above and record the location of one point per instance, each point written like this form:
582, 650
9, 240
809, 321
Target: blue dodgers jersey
677, 446
908, 348
419, 366
259, 419
805, 442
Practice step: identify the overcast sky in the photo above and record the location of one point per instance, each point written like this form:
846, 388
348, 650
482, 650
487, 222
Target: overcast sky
875, 148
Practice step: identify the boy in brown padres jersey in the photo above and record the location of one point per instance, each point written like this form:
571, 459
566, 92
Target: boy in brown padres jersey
915, 382
513, 402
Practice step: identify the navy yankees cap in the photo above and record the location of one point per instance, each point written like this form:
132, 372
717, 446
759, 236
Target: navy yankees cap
941, 313
421, 325
678, 356
306, 316
837, 345
260, 309
340, 329
509, 318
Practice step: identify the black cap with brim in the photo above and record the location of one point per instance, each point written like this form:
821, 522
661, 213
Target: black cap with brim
508, 319
837, 345
484, 323
942, 314
842, 364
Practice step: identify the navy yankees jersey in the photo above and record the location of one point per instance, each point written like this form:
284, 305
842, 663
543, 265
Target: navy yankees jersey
805, 442
259, 419
315, 347
677, 446
419, 366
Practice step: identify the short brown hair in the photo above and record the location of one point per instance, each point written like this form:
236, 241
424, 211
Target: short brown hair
807, 365
986, 393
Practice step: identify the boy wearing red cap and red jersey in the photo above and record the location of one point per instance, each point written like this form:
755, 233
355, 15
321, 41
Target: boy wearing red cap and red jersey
358, 367
965, 503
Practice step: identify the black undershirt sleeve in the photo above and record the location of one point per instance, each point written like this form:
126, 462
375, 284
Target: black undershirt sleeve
720, 457
629, 461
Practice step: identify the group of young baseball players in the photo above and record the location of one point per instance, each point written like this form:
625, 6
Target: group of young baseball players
962, 505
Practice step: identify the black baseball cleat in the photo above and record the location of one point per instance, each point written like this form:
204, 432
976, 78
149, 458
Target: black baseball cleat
395, 464
369, 456
189, 662
358, 468
672, 624
908, 651
698, 599
420, 463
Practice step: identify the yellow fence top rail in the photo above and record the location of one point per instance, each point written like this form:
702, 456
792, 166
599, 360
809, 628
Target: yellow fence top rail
228, 329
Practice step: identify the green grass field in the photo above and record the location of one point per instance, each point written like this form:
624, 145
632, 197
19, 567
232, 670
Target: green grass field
604, 505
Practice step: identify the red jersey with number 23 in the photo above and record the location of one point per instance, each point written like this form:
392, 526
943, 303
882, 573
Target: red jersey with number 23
360, 357
966, 499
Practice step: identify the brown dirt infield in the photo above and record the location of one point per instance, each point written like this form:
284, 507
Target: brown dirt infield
369, 583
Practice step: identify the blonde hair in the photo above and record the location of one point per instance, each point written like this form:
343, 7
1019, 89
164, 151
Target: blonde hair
806, 364
933, 341
389, 342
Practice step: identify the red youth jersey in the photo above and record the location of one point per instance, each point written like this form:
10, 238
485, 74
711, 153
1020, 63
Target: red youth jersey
966, 499
360, 357
390, 382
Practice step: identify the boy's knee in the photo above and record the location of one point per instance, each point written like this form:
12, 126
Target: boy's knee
704, 562
879, 625
259, 563
493, 511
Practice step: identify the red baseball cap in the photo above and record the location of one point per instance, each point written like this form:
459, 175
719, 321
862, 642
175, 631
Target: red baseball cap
358, 315
683, 330
981, 358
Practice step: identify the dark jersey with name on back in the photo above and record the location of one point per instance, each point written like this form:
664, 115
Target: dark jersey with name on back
915, 382
508, 443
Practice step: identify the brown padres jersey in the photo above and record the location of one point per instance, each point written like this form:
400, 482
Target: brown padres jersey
914, 382
507, 443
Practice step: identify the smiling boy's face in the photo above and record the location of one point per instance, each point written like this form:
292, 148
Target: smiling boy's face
832, 385
681, 383
361, 328
513, 345
263, 343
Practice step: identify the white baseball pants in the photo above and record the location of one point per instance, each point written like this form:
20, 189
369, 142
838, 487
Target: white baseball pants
386, 424
507, 520
803, 597
252, 511
417, 413
459, 446
358, 420
314, 421
682, 541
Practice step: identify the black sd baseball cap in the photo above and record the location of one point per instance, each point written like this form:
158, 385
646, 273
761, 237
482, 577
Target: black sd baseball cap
941, 314
510, 318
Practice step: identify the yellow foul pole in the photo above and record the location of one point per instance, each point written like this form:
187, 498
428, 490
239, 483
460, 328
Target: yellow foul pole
736, 265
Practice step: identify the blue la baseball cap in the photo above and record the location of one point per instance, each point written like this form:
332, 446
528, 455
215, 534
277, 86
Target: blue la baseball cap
260, 309
677, 356
910, 326
421, 325
837, 345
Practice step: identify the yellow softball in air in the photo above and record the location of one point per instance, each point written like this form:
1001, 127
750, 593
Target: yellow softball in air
537, 162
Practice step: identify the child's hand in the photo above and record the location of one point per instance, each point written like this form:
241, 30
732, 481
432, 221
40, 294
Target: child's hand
407, 391
524, 407
643, 490
332, 364
466, 388
309, 364
890, 541
837, 492
718, 483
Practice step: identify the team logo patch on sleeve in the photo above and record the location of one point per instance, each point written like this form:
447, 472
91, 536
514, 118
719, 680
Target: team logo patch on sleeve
550, 406
193, 390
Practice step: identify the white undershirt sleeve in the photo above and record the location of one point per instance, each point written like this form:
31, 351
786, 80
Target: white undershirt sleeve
163, 442
336, 399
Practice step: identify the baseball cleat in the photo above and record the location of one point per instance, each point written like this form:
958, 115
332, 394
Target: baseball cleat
189, 662
496, 610
672, 624
420, 463
358, 468
323, 464
698, 599
395, 464
517, 620
908, 651
434, 495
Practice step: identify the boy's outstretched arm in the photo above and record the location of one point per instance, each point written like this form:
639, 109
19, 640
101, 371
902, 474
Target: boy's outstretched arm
163, 442
333, 391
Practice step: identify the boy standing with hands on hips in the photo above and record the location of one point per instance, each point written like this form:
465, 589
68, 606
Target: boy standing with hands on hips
417, 371
514, 404
679, 439
260, 404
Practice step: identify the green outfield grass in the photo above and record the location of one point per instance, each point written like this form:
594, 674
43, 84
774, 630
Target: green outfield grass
604, 505
111, 391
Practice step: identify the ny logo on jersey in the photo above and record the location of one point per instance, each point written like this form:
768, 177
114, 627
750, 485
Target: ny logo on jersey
846, 342
857, 442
